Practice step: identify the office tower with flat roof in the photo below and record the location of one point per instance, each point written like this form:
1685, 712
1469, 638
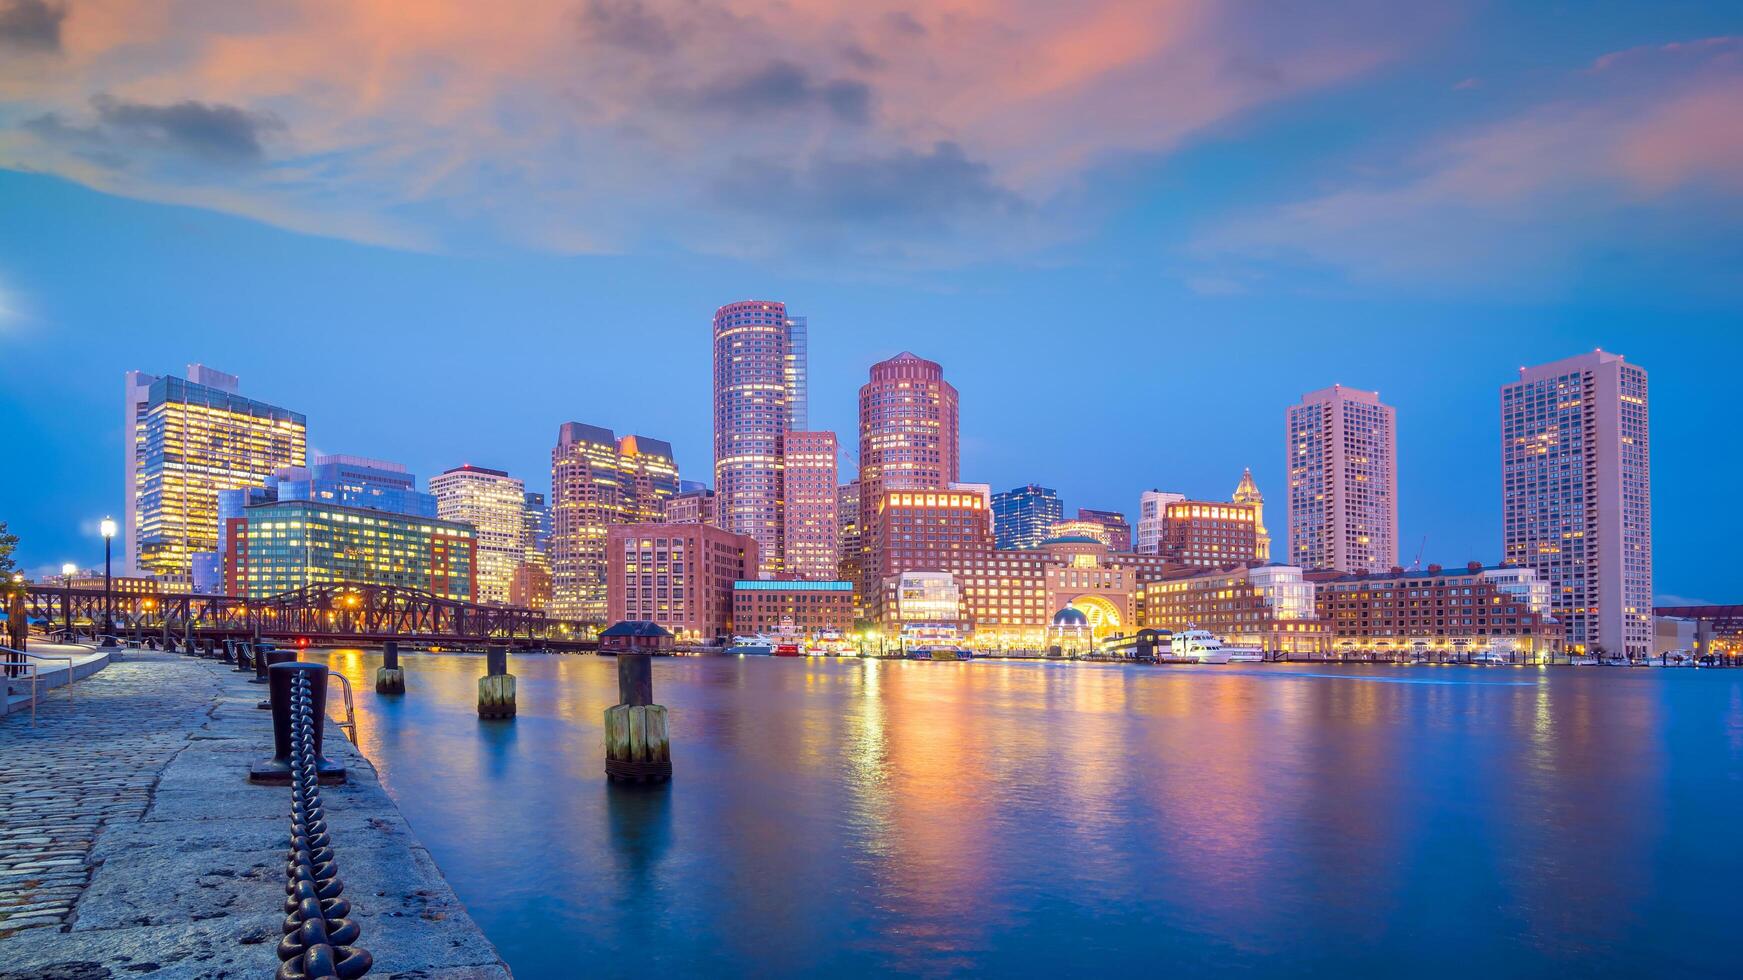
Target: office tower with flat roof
494, 503
1024, 517
847, 530
690, 507
808, 479
1576, 496
760, 394
1343, 481
599, 481
187, 440
282, 545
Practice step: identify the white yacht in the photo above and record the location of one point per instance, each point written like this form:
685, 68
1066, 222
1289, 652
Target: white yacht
1202, 646
759, 645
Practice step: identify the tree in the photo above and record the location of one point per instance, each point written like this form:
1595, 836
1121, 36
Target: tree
8, 544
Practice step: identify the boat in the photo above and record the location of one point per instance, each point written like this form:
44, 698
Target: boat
1488, 657
752, 646
1585, 661
1203, 647
938, 651
787, 649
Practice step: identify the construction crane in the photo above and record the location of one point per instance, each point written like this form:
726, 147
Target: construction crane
1416, 566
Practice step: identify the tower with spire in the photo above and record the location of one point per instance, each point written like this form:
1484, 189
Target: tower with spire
1247, 492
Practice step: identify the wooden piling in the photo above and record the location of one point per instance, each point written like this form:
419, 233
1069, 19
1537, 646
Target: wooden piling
496, 687
389, 678
637, 740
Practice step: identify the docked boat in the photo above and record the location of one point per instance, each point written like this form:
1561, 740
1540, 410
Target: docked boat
787, 648
1203, 647
938, 652
752, 646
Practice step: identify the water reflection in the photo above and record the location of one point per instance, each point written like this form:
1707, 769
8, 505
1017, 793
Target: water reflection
865, 816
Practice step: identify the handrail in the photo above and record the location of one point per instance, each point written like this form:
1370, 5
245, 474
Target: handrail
349, 725
35, 678
11, 660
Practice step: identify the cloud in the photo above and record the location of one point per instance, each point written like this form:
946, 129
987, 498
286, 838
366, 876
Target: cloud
617, 125
1637, 140
31, 25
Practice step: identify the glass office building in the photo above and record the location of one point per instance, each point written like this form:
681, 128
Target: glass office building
284, 545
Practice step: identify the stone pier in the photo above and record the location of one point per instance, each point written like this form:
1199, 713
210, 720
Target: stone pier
133, 845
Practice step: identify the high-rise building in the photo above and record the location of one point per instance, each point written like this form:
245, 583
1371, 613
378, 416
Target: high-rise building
1210, 533
536, 529
1576, 500
1024, 517
598, 481
908, 438
798, 373
808, 475
1118, 531
759, 396
494, 503
1343, 481
282, 545
691, 507
847, 530
187, 440
1152, 509
1247, 492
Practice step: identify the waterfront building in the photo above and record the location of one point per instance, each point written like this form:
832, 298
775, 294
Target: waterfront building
691, 507
494, 503
808, 607
128, 585
1576, 499
1247, 492
930, 531
680, 576
1024, 517
1269, 607
924, 607
1470, 610
1343, 481
284, 545
908, 438
1119, 533
1077, 528
808, 476
1084, 576
597, 481
186, 440
759, 396
1152, 508
1210, 534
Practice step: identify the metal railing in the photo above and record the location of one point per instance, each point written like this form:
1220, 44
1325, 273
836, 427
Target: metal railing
318, 937
14, 663
349, 725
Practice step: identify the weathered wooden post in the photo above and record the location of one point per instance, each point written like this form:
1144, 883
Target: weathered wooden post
637, 748
389, 678
496, 687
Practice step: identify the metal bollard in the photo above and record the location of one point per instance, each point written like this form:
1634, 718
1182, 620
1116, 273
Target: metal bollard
273, 657
261, 652
280, 678
244, 658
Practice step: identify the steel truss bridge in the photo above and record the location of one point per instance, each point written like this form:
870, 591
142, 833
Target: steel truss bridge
320, 615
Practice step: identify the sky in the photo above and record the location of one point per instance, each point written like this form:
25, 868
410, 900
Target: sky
1133, 233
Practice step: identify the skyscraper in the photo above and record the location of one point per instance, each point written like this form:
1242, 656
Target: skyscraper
1119, 532
759, 396
187, 439
847, 530
908, 439
1247, 492
1343, 481
1024, 517
597, 481
494, 503
1576, 498
1152, 514
808, 482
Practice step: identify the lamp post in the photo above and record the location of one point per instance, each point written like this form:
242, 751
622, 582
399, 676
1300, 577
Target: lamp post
67, 572
108, 529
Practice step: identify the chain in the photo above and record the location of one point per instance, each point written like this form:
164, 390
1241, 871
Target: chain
317, 935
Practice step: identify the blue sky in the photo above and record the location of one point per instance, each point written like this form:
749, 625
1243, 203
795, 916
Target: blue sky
1130, 256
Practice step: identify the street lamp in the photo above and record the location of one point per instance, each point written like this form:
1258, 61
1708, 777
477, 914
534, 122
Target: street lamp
108, 530
67, 572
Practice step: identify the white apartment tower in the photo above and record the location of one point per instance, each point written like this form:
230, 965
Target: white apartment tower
1343, 481
1152, 509
1576, 495
495, 504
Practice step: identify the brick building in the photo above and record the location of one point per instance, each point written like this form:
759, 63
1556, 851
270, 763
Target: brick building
677, 575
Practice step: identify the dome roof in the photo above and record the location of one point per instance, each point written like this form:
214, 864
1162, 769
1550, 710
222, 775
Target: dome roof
1070, 617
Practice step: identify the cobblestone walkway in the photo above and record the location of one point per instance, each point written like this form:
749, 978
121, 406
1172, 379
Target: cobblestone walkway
88, 762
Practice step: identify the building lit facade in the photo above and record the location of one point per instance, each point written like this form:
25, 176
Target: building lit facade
1449, 612
1343, 481
759, 396
288, 544
1247, 492
908, 438
803, 607
1576, 503
691, 507
1119, 533
187, 440
494, 503
808, 476
1024, 517
1268, 607
680, 576
598, 481
847, 530
1152, 508
1210, 534
1075, 528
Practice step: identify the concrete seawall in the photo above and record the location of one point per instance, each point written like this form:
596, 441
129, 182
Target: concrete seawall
132, 844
